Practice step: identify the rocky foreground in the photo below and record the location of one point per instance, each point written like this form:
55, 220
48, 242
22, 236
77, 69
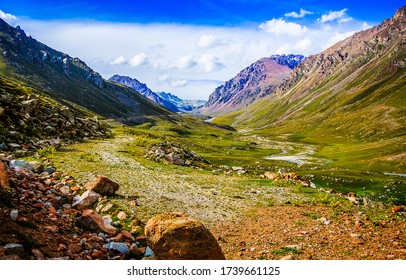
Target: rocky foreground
42, 216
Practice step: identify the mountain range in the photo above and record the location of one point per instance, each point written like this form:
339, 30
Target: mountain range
252, 83
164, 99
68, 80
351, 96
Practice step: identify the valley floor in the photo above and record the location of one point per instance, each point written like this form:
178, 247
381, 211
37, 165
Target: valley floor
251, 218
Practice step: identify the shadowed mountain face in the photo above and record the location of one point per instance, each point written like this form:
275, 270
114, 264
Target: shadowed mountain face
252, 83
68, 80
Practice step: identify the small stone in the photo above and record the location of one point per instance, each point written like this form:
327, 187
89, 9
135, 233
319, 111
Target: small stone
148, 252
98, 255
21, 164
37, 254
50, 170
108, 220
288, 257
14, 214
119, 247
86, 200
354, 235
107, 208
135, 251
4, 179
92, 221
122, 215
14, 249
75, 248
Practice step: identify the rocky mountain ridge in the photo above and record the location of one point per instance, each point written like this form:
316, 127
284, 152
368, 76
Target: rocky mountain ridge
164, 99
66, 79
254, 82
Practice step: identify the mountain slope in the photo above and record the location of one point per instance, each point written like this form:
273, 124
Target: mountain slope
352, 93
252, 83
68, 80
167, 100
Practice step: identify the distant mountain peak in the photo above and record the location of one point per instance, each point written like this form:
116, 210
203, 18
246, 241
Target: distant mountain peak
167, 100
253, 82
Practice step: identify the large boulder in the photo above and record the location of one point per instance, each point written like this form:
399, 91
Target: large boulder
177, 236
4, 180
92, 221
102, 185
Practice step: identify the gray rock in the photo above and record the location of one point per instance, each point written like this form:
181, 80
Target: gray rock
4, 147
148, 252
21, 164
14, 249
107, 220
14, 214
119, 247
14, 145
38, 167
50, 170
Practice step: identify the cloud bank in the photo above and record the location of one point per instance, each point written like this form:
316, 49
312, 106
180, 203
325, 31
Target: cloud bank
188, 60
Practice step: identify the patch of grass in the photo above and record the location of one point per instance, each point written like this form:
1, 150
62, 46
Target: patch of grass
286, 250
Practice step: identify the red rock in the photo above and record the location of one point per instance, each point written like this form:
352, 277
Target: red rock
398, 209
177, 236
38, 254
4, 179
75, 248
141, 238
92, 221
127, 235
99, 255
102, 185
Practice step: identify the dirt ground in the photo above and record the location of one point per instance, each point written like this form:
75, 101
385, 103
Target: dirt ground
319, 233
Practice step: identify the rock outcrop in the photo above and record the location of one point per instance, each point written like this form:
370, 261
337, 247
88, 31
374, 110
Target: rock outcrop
177, 236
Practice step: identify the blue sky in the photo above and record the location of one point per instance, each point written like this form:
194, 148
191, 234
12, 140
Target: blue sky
190, 47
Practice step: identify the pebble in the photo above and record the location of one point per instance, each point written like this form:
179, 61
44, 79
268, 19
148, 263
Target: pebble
120, 247
14, 214
14, 249
122, 215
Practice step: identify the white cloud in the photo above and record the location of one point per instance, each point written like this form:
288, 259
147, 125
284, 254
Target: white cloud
210, 63
163, 77
178, 83
9, 18
121, 60
183, 62
138, 60
344, 19
210, 41
280, 27
302, 45
300, 15
169, 54
335, 15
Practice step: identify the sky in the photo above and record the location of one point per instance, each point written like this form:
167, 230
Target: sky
188, 48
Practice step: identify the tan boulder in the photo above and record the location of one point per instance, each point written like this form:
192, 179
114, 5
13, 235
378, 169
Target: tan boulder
102, 185
177, 236
271, 176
